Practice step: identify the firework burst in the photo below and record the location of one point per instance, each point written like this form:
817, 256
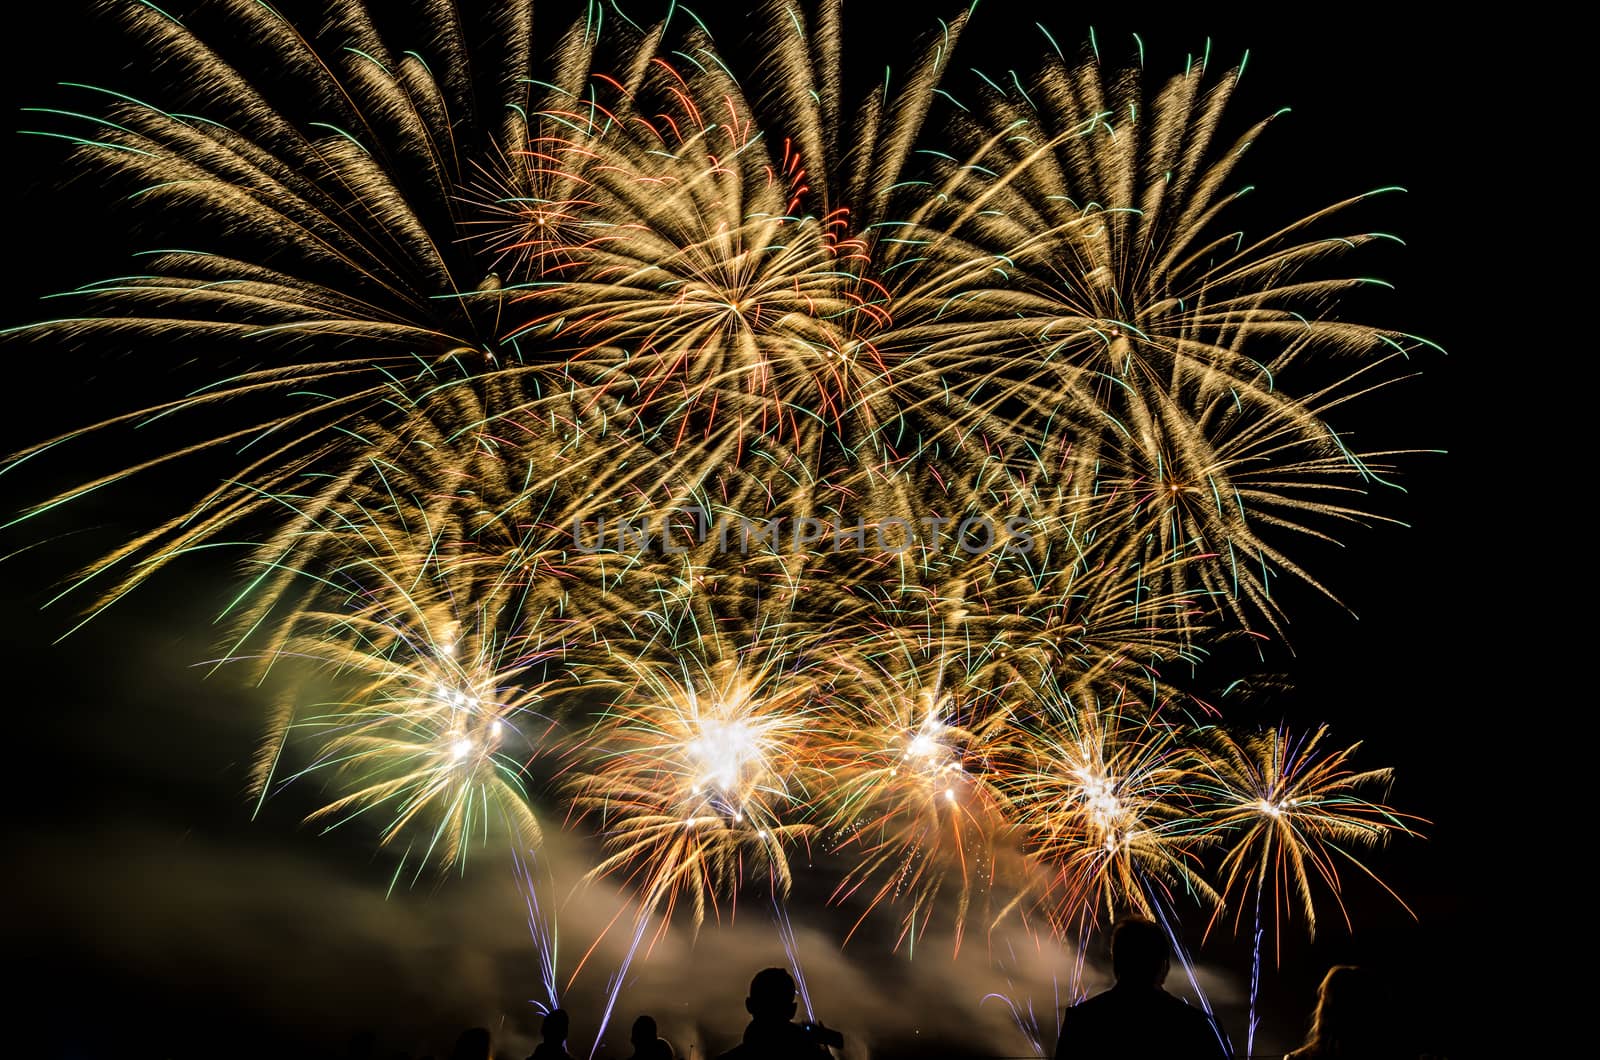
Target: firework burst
466, 308
910, 800
697, 771
1105, 789
1291, 811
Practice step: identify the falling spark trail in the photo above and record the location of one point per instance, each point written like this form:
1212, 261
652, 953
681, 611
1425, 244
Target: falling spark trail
791, 947
614, 987
541, 929
1187, 964
1255, 979
1028, 1023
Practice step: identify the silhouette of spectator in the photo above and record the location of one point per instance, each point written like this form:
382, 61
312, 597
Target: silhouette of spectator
770, 1035
472, 1044
1137, 1019
646, 1046
554, 1032
1351, 1019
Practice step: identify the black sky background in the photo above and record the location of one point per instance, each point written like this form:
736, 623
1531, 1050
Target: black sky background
126, 800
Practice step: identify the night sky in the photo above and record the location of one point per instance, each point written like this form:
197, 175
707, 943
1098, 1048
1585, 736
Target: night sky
153, 916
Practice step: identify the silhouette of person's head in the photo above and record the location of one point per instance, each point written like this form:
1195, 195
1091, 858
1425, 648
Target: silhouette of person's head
643, 1035
771, 996
555, 1026
1139, 954
473, 1044
1350, 1010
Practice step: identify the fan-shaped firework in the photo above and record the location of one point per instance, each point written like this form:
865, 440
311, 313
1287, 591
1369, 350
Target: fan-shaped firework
697, 771
436, 694
1160, 337
910, 799
1290, 812
1106, 790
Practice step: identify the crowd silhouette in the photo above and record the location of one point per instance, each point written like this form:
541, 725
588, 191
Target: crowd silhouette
553, 1036
772, 1031
1136, 1019
1351, 1019
646, 1046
